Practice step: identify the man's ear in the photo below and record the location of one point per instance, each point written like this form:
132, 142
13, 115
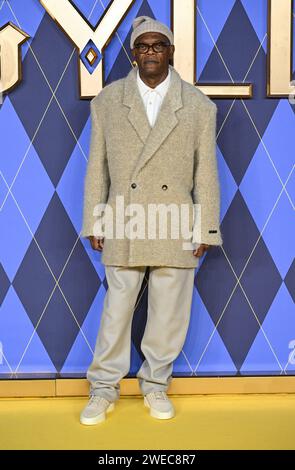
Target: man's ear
172, 49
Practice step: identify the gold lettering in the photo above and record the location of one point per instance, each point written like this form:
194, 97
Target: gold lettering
183, 20
11, 38
80, 32
279, 59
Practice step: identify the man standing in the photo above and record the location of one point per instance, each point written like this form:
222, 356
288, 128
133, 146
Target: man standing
152, 142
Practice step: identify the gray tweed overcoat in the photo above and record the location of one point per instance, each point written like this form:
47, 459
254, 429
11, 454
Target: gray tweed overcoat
173, 162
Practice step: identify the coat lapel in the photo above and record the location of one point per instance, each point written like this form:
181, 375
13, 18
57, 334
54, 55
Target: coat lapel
152, 137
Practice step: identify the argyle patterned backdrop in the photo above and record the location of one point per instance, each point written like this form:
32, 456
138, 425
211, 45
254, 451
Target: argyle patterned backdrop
52, 283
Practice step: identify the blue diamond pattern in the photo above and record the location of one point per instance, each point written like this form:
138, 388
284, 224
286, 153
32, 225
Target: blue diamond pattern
272, 343
53, 284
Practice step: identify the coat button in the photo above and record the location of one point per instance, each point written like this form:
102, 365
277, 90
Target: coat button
164, 187
133, 185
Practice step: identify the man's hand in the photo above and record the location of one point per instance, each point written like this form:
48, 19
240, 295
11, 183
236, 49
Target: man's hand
201, 250
96, 243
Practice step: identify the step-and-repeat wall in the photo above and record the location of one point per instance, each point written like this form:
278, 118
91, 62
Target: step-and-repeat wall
53, 285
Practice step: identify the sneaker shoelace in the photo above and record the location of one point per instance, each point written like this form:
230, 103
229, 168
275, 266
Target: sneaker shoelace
95, 398
159, 395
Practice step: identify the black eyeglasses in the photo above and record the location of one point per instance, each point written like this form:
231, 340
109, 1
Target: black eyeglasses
143, 48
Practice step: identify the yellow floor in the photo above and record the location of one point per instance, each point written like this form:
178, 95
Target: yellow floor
201, 422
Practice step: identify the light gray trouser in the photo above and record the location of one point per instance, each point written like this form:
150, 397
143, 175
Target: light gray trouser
170, 292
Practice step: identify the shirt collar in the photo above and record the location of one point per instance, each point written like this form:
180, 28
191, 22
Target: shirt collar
160, 89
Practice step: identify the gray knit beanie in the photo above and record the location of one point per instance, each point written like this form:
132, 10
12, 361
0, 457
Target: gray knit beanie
146, 24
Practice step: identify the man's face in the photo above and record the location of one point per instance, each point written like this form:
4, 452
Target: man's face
152, 63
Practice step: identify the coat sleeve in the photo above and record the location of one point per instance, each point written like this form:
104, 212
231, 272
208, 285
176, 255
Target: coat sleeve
97, 178
206, 189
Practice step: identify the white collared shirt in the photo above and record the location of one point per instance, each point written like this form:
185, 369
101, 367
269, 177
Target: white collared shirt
153, 97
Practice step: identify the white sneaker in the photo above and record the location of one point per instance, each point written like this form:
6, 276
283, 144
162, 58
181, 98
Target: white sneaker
160, 405
95, 410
